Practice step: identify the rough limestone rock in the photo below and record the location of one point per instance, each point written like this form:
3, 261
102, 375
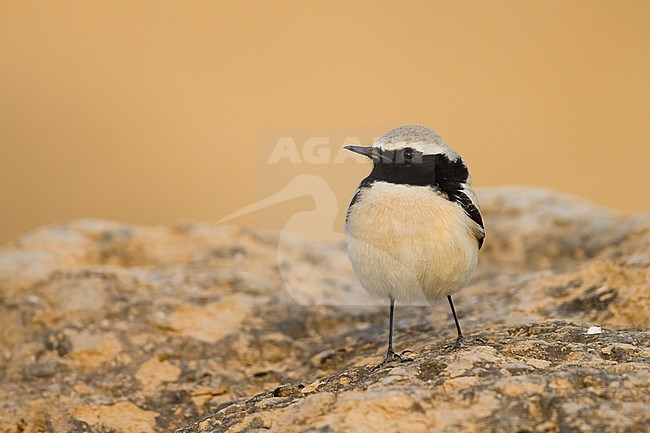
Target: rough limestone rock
112, 327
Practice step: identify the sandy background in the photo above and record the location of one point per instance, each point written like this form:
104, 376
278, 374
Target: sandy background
165, 111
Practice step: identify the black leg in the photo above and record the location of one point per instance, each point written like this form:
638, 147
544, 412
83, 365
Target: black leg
391, 313
390, 353
461, 338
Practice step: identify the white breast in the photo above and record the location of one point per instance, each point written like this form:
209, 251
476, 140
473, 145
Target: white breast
410, 243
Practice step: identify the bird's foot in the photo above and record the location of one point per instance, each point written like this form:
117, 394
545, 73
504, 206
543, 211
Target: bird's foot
461, 341
458, 344
393, 357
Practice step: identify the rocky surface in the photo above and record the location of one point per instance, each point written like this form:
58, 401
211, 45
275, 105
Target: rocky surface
113, 327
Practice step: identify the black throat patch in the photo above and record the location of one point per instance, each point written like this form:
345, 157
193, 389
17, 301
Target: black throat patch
410, 167
404, 166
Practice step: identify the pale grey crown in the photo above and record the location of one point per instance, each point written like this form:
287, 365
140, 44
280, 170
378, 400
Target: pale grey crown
420, 138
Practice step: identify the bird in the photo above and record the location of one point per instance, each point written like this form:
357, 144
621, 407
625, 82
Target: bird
414, 228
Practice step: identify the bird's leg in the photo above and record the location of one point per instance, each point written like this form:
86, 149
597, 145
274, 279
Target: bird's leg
391, 313
461, 338
390, 354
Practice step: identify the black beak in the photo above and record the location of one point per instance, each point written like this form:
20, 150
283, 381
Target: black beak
362, 150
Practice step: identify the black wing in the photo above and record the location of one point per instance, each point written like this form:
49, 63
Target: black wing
472, 211
363, 185
451, 179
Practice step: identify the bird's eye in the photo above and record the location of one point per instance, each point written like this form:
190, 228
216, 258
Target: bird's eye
408, 154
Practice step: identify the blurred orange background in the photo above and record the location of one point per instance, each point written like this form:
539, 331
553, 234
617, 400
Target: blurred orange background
151, 111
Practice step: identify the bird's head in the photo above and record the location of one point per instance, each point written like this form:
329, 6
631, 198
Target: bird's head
408, 154
406, 145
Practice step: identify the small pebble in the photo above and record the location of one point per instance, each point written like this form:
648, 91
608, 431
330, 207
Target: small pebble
41, 369
594, 330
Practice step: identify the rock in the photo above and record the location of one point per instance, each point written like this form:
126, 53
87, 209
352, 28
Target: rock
212, 322
473, 389
45, 368
119, 417
107, 326
155, 372
538, 228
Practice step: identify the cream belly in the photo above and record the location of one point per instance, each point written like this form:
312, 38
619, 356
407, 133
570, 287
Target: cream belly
410, 243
